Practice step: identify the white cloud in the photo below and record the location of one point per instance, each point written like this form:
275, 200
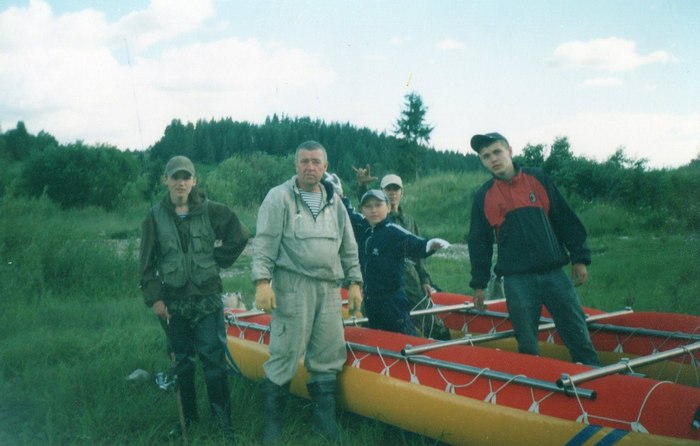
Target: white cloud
163, 20
601, 82
665, 140
450, 44
68, 74
398, 40
611, 54
233, 64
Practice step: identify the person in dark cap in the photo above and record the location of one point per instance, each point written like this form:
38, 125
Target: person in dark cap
186, 239
384, 247
537, 234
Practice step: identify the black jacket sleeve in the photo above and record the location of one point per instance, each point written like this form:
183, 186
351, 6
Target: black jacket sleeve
231, 231
480, 243
566, 224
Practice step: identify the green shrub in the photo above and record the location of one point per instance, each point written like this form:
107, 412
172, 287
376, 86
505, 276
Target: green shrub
244, 180
78, 176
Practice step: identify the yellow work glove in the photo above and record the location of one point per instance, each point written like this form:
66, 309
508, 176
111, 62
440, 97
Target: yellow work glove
264, 297
354, 300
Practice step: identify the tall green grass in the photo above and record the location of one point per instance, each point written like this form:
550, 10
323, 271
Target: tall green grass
73, 325
442, 204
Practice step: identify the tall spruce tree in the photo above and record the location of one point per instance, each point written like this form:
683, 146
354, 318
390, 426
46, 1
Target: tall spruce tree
412, 131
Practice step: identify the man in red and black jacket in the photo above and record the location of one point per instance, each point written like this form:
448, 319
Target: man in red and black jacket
537, 233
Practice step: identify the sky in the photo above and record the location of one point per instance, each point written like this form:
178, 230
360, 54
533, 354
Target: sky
606, 74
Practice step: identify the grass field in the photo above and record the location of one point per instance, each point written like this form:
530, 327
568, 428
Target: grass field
73, 325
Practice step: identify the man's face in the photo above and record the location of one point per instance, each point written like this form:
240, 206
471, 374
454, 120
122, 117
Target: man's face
375, 210
179, 186
310, 166
394, 192
498, 159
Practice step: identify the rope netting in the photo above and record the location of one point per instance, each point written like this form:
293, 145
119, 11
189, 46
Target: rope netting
495, 323
656, 344
635, 424
495, 386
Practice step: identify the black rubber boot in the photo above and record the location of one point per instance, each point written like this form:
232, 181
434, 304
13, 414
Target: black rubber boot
323, 398
220, 402
275, 400
188, 397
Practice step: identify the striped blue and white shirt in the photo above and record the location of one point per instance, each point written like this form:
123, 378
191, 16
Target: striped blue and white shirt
313, 200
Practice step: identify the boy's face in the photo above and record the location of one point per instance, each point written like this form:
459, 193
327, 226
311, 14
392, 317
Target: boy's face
375, 210
180, 185
498, 158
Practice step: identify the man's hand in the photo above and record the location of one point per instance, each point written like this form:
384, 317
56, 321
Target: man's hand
479, 297
579, 274
364, 175
264, 297
354, 300
428, 289
160, 310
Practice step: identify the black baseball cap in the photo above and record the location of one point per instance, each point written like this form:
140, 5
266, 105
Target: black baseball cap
374, 193
478, 142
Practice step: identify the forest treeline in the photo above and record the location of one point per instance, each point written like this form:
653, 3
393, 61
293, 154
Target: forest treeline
78, 175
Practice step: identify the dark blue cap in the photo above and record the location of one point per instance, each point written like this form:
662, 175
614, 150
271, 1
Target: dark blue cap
374, 193
478, 142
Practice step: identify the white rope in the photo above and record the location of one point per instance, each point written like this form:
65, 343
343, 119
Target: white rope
491, 397
413, 373
356, 361
387, 368
550, 336
583, 418
693, 362
535, 406
417, 305
241, 330
450, 387
492, 330
637, 425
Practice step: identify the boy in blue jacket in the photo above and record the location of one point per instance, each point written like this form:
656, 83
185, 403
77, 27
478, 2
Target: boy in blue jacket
383, 248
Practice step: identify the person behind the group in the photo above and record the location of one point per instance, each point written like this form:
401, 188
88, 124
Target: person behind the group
417, 281
537, 233
186, 239
384, 246
303, 248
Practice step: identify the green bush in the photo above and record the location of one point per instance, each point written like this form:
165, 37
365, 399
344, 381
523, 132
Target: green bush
244, 180
78, 176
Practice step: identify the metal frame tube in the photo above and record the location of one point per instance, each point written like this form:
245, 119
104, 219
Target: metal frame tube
352, 321
470, 340
570, 381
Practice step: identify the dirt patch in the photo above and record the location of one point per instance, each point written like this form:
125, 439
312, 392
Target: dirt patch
455, 251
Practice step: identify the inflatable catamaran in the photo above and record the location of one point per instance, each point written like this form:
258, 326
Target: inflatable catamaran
476, 389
